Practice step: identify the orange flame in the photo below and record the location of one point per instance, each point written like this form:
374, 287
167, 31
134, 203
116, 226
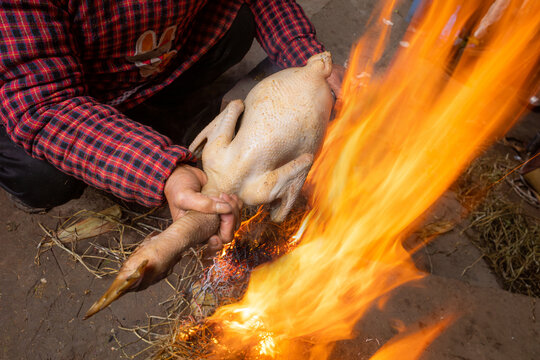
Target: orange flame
399, 140
411, 346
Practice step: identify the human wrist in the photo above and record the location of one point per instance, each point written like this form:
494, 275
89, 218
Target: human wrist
164, 165
299, 50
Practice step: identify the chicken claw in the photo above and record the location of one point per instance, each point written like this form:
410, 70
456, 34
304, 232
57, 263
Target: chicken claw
119, 287
157, 255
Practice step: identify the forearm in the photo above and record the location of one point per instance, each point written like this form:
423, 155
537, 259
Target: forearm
97, 144
45, 109
284, 31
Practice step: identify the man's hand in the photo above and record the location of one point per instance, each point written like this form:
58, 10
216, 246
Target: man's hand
183, 193
336, 78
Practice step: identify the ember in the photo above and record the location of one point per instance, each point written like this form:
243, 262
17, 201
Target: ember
256, 242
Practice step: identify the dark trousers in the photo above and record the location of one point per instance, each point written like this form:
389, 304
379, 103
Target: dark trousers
180, 111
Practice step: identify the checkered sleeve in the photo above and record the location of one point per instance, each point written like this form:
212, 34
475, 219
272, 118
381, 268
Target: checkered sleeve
284, 31
44, 109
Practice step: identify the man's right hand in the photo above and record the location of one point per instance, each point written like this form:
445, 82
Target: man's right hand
183, 193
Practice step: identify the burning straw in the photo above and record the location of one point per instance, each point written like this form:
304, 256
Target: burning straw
197, 290
258, 241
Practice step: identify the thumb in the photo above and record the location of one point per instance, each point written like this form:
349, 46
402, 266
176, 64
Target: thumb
192, 200
214, 247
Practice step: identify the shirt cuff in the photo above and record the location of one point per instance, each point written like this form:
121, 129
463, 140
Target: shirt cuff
151, 171
299, 51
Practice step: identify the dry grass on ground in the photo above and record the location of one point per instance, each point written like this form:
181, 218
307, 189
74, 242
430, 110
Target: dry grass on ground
504, 220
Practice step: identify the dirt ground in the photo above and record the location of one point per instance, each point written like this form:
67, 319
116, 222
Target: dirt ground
42, 305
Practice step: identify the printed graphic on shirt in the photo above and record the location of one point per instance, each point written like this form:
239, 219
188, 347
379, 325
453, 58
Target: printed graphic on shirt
151, 57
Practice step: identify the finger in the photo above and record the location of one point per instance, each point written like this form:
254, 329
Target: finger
214, 246
235, 202
335, 79
227, 226
240, 205
201, 175
237, 205
229, 223
335, 85
192, 200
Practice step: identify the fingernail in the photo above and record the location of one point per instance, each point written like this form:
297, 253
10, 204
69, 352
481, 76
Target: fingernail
223, 207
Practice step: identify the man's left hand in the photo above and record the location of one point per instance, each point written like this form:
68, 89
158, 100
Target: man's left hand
336, 78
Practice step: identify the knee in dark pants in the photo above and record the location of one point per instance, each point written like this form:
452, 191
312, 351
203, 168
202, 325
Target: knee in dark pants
34, 182
46, 187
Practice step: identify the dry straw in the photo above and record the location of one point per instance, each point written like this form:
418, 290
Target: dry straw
505, 228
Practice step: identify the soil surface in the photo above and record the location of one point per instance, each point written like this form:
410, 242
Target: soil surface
43, 300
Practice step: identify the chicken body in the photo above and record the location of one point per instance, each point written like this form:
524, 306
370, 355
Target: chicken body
281, 129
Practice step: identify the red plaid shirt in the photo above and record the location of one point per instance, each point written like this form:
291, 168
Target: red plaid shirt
66, 67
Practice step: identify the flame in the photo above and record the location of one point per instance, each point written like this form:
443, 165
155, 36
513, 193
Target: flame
242, 228
411, 346
399, 140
